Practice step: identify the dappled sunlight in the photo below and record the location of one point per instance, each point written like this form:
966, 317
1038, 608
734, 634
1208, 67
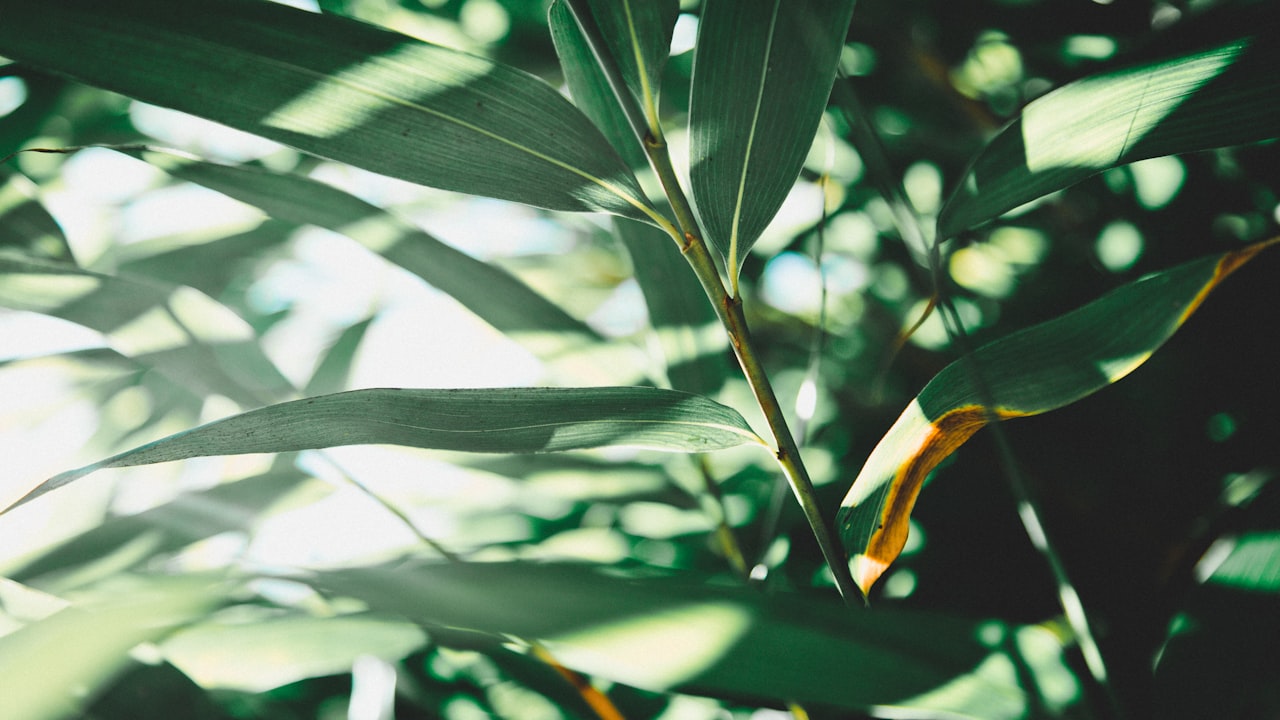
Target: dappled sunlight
657, 650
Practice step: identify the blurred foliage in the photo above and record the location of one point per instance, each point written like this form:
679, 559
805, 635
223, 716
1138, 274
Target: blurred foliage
1156, 493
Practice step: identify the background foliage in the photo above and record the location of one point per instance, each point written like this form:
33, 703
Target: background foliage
321, 583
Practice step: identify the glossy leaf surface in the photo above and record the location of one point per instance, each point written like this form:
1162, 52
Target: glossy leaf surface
1031, 371
336, 88
501, 420
665, 631
1228, 94
762, 75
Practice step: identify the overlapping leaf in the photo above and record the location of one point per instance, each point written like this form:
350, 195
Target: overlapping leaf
25, 225
336, 88
501, 420
1228, 94
1029, 372
762, 74
675, 631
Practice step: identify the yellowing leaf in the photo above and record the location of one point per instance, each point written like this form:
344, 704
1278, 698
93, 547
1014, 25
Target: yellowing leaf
1029, 372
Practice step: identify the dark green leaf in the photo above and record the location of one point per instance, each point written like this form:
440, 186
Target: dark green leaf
500, 420
339, 89
669, 631
1228, 94
1029, 372
762, 74
24, 223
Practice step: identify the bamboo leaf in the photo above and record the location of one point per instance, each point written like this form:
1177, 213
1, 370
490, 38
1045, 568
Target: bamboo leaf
669, 631
500, 420
1228, 94
1029, 372
493, 294
762, 73
24, 223
339, 89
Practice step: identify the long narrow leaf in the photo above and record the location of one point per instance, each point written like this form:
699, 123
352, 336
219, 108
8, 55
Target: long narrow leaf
1029, 372
678, 632
336, 88
501, 420
1228, 94
24, 223
762, 74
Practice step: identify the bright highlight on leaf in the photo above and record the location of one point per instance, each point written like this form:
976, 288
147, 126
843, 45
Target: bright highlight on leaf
339, 89
1031, 371
500, 420
1226, 95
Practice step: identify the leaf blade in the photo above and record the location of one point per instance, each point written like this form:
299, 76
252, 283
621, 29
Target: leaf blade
761, 79
498, 420
1171, 106
339, 89
1031, 371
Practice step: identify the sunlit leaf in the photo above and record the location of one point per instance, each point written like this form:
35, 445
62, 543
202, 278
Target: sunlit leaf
257, 656
339, 89
762, 74
676, 632
500, 420
1226, 95
24, 223
493, 294
177, 330
1031, 371
53, 667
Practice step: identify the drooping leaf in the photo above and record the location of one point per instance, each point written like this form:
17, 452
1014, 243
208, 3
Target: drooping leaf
1228, 94
177, 330
638, 36
52, 668
336, 88
694, 344
673, 631
24, 223
1029, 372
499, 420
762, 73
493, 294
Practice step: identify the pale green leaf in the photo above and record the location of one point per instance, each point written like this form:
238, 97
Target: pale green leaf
24, 223
1228, 94
336, 88
499, 420
1026, 373
762, 74
670, 631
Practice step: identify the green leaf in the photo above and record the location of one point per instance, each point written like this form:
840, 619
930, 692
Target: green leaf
762, 73
24, 223
53, 667
1228, 94
638, 36
177, 330
668, 631
694, 344
1029, 372
500, 420
339, 89
493, 294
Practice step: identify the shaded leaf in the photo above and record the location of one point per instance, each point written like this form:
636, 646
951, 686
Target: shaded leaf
1031, 371
24, 223
339, 89
762, 73
694, 344
666, 631
1228, 94
501, 420
51, 668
